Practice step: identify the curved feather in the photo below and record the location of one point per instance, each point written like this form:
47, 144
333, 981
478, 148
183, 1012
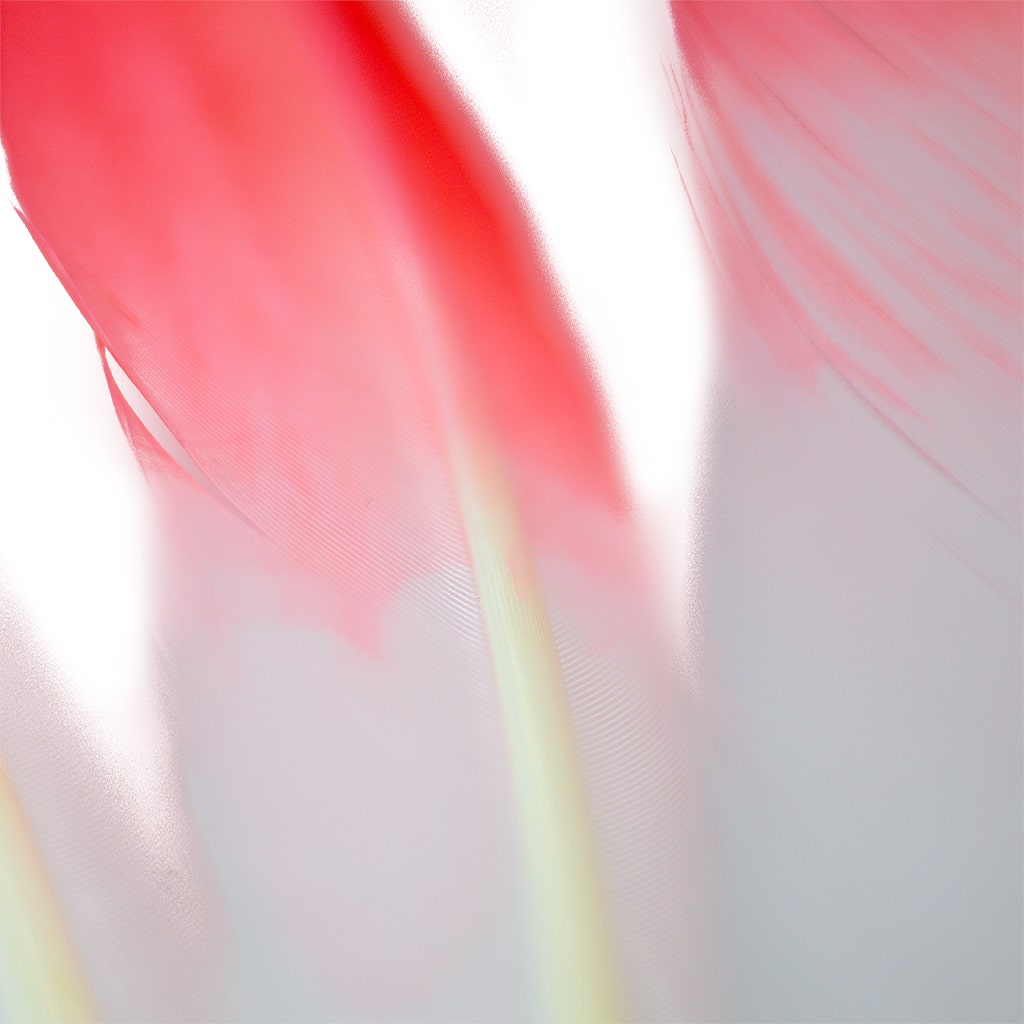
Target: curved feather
857, 172
428, 752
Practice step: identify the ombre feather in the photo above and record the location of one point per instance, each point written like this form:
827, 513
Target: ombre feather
429, 756
857, 172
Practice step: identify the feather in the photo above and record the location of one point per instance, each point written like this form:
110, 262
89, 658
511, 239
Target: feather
857, 173
429, 761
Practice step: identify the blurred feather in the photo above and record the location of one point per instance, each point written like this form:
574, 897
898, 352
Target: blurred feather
856, 170
429, 759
